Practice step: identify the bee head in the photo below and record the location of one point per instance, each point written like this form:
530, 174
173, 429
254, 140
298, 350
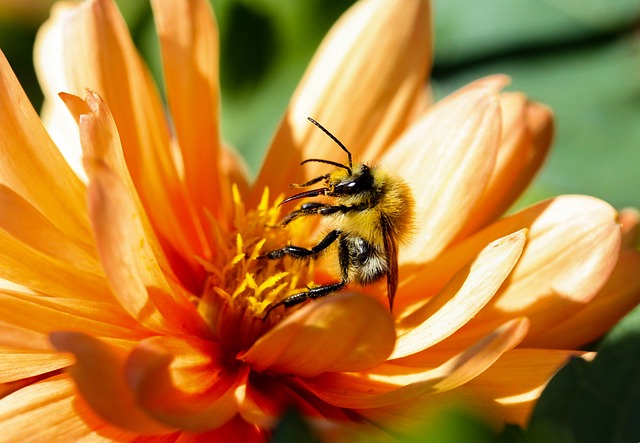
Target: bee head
357, 181
344, 181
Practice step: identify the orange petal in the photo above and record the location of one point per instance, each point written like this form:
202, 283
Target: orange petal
33, 167
447, 158
390, 384
187, 383
51, 410
46, 314
504, 393
527, 132
618, 296
361, 85
100, 140
38, 254
467, 292
572, 248
130, 261
99, 374
40, 272
512, 385
326, 336
189, 44
88, 45
26, 353
20, 364
25, 223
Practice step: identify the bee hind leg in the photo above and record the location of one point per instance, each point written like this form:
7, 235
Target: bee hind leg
313, 293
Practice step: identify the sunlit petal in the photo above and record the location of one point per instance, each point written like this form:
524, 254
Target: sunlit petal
458, 140
360, 86
573, 246
117, 73
619, 295
390, 384
37, 172
189, 43
54, 406
326, 336
463, 297
527, 132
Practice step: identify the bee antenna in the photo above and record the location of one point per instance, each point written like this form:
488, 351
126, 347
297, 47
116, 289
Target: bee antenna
335, 139
329, 162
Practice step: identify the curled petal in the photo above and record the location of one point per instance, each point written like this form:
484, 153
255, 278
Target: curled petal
95, 31
467, 292
349, 332
184, 383
447, 157
389, 384
99, 376
129, 258
527, 132
360, 85
53, 404
573, 245
101, 141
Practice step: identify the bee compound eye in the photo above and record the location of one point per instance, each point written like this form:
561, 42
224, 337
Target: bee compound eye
348, 188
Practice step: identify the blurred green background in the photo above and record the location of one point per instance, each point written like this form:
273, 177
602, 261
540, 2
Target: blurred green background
581, 57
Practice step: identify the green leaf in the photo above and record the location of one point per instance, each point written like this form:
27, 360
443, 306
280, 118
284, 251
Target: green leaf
468, 30
596, 401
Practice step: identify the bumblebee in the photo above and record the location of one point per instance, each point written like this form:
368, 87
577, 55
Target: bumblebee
371, 214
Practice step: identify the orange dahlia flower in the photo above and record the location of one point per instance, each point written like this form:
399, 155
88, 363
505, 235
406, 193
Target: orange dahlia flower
132, 297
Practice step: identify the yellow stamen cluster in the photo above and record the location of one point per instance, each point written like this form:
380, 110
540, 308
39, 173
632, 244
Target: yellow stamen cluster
242, 284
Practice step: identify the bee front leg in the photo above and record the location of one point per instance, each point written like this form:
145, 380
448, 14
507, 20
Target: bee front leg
313, 208
300, 252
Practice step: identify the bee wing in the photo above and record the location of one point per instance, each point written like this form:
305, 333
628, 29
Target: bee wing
391, 250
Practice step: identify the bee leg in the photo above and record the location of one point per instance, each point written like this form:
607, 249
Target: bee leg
317, 209
313, 181
300, 252
316, 292
312, 208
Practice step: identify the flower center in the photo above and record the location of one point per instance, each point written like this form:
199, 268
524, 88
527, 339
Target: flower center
241, 284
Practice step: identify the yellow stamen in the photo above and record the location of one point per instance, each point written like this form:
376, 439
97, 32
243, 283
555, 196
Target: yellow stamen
242, 284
